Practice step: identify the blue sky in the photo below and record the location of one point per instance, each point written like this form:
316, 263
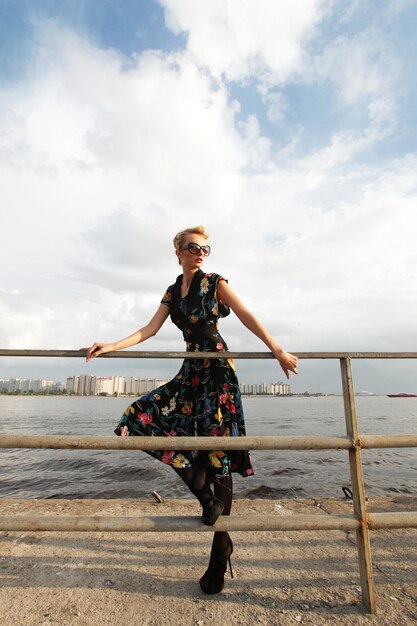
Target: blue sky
127, 26
287, 128
134, 26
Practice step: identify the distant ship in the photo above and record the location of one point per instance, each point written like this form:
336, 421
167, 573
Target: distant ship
402, 395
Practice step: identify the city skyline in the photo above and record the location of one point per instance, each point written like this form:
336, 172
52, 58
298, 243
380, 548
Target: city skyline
385, 376
90, 384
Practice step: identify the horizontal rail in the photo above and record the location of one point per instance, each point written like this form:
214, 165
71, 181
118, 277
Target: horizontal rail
135, 354
253, 442
83, 442
161, 523
404, 519
387, 441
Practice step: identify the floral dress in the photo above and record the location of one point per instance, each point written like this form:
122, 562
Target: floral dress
204, 397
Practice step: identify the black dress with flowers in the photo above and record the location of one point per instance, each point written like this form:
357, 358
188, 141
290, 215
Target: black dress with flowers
204, 397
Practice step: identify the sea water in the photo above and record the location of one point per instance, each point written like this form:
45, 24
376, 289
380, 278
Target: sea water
134, 474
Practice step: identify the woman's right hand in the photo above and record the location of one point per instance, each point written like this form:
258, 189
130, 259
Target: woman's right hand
97, 349
287, 361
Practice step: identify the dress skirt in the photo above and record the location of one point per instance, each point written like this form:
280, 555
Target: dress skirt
204, 400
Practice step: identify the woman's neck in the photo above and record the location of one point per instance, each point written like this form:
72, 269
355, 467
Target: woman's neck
187, 277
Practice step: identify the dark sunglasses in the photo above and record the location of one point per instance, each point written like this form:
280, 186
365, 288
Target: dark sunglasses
194, 248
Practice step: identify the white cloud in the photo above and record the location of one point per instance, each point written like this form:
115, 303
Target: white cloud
384, 12
360, 66
365, 71
276, 107
271, 44
241, 39
100, 166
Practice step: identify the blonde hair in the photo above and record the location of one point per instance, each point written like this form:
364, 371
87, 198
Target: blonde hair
180, 237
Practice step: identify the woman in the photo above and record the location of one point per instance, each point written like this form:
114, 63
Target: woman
204, 397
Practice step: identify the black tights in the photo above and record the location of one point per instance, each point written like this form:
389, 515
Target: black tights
196, 479
224, 491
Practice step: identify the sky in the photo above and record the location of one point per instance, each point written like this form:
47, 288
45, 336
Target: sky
288, 129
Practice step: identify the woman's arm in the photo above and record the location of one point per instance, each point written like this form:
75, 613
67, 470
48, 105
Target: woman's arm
287, 361
140, 335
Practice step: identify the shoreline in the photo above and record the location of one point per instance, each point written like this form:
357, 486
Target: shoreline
309, 577
243, 395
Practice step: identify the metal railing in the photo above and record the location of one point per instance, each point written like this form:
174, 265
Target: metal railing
361, 521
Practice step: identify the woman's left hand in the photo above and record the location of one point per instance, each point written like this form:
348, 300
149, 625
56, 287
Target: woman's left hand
288, 362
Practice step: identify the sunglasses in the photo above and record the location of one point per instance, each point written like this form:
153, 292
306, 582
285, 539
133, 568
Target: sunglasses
194, 248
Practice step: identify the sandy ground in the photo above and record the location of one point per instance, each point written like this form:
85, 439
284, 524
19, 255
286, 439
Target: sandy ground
152, 579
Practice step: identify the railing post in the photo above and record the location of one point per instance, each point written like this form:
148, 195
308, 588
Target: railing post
358, 488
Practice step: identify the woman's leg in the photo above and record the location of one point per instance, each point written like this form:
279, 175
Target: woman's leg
198, 482
222, 546
223, 490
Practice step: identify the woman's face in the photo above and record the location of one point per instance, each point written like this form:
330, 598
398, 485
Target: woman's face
188, 260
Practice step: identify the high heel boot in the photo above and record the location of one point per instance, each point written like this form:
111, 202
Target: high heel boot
212, 580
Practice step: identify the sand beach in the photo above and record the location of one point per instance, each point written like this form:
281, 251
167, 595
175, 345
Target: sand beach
89, 578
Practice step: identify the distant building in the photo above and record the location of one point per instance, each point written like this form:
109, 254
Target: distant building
275, 389
132, 385
104, 385
139, 386
86, 385
24, 385
61, 386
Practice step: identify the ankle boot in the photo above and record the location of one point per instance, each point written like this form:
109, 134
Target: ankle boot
212, 580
